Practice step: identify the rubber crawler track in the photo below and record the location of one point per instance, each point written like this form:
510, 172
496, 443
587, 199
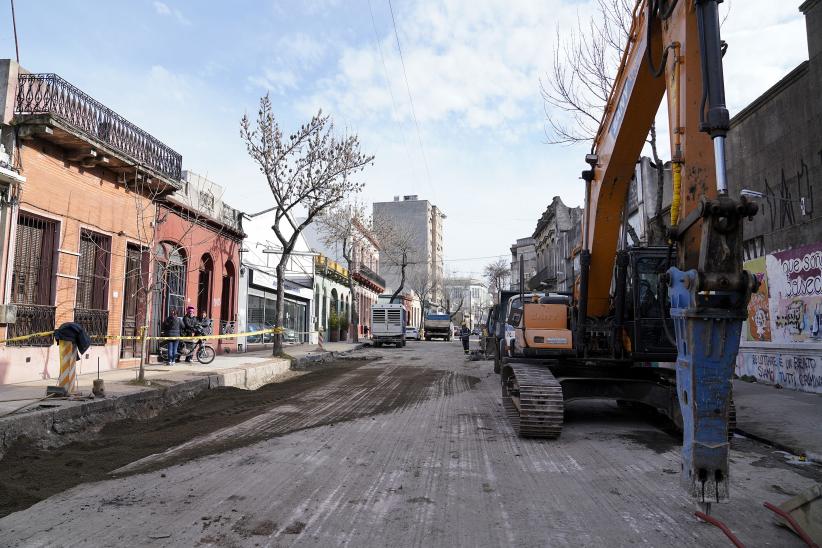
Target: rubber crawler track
541, 409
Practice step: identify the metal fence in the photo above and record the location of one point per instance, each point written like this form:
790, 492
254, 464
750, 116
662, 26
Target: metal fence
50, 94
32, 318
95, 322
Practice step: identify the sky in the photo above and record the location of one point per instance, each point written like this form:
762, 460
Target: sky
473, 143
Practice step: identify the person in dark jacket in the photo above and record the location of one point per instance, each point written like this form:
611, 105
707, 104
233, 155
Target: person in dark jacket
465, 334
191, 327
172, 327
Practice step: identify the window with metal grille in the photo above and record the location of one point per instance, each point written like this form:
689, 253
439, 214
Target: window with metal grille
32, 279
91, 307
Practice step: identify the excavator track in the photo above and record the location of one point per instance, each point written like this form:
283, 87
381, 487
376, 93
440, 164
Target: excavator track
532, 399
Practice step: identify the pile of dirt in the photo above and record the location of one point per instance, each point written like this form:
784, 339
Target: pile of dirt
29, 473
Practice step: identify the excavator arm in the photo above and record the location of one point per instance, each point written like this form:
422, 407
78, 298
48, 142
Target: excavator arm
675, 47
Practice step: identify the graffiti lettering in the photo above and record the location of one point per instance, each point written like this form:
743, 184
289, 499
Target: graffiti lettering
794, 317
795, 371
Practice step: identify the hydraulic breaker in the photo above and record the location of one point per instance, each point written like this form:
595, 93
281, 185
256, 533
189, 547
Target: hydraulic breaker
708, 324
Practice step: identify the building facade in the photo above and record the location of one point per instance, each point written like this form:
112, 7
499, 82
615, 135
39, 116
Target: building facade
774, 153
425, 224
557, 235
197, 257
524, 249
365, 255
332, 293
78, 231
468, 299
258, 285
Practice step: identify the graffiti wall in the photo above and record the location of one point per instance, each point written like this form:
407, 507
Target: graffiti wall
794, 280
796, 370
786, 311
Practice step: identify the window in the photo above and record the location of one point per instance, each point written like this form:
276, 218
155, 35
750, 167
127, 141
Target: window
91, 307
206, 201
32, 279
34, 260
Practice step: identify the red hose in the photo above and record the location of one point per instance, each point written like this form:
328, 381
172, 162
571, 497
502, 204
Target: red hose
795, 526
724, 528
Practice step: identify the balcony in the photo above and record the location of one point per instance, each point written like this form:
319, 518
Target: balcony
330, 268
32, 318
95, 323
51, 108
370, 279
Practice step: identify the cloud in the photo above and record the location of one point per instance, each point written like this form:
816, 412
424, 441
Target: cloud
278, 81
163, 9
296, 54
472, 64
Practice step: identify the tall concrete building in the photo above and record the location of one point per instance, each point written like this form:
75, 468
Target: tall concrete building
424, 221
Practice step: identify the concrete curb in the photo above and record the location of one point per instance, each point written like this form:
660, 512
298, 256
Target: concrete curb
809, 455
59, 425
303, 362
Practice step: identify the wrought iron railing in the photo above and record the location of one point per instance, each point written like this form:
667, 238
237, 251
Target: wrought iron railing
227, 328
50, 94
95, 322
373, 276
32, 318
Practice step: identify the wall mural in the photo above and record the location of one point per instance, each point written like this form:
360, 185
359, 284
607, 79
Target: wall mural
787, 311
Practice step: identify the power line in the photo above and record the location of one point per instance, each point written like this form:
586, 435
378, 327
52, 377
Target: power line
410, 98
387, 79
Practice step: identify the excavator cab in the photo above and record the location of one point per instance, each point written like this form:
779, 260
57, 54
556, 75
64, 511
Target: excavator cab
541, 325
644, 331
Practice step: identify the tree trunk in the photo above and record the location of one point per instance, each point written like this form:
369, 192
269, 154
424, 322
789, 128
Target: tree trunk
402, 278
277, 348
354, 320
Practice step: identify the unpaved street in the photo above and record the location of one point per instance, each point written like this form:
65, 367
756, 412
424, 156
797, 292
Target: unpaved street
408, 450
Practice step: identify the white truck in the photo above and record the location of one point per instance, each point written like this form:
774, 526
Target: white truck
388, 324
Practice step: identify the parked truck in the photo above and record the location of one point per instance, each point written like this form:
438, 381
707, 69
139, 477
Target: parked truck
437, 326
388, 324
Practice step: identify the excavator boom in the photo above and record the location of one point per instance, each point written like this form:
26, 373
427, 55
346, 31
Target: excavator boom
675, 47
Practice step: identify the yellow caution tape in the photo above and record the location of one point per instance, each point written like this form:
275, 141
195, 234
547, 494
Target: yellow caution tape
137, 337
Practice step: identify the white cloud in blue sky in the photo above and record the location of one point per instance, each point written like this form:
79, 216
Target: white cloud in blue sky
186, 71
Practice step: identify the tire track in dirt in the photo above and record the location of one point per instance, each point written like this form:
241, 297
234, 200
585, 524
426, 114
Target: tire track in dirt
220, 420
366, 391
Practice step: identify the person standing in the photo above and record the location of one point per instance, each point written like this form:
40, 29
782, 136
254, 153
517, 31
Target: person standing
465, 335
172, 327
191, 327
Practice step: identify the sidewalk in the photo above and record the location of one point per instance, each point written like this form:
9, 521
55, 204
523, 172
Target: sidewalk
41, 418
787, 419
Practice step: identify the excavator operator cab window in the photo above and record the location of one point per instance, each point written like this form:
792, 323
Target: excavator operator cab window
648, 271
650, 308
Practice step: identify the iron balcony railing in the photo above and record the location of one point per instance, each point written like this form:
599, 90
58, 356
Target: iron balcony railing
32, 318
373, 276
50, 94
95, 322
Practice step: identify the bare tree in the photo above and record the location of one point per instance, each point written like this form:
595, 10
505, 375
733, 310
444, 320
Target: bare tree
348, 226
585, 67
498, 274
398, 245
421, 284
311, 169
452, 308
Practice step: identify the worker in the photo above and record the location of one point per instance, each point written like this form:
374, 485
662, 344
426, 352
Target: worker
191, 327
172, 327
465, 333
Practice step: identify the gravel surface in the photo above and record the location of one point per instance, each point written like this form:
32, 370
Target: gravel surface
408, 450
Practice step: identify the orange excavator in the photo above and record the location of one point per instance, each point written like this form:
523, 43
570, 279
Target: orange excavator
635, 307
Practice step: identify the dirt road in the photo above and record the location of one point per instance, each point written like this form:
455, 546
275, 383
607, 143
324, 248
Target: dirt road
408, 450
